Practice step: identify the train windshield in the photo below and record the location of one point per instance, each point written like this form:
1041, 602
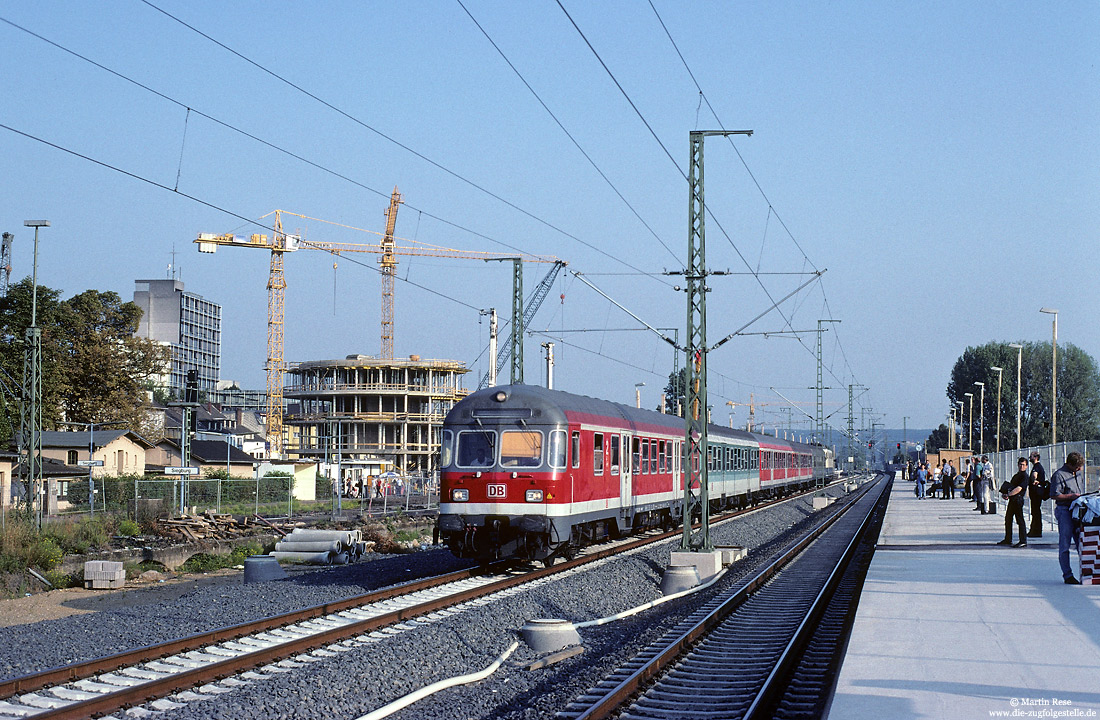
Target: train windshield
476, 448
521, 448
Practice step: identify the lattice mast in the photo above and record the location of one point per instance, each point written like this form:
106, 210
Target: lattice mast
695, 415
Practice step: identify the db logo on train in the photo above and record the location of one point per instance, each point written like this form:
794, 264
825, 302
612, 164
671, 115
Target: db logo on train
496, 491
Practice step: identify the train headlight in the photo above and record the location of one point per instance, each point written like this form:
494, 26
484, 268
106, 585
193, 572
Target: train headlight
460, 495
533, 496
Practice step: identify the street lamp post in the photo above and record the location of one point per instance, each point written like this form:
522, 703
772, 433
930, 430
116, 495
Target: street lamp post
959, 415
981, 419
970, 424
638, 394
1053, 377
1019, 389
1000, 371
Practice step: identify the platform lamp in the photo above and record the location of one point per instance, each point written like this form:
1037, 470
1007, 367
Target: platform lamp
638, 394
970, 424
1000, 371
959, 415
1053, 377
1019, 389
981, 419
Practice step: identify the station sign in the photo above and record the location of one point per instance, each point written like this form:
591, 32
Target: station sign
89, 463
181, 471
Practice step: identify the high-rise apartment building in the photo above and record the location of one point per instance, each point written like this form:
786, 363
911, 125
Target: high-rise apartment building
188, 323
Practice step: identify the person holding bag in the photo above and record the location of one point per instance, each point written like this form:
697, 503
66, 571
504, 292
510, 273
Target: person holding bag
1014, 492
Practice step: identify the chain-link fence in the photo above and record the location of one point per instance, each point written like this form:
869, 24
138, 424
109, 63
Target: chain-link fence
272, 494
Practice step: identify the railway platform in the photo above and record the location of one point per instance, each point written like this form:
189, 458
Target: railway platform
951, 625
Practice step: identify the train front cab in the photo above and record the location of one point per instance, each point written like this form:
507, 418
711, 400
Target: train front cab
496, 481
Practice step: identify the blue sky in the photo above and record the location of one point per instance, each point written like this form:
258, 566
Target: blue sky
938, 159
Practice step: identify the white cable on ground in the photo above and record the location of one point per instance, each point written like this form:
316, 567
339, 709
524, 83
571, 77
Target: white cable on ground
387, 710
654, 603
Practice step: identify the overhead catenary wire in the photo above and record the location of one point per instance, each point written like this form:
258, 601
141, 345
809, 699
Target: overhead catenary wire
568, 134
219, 208
752, 176
458, 176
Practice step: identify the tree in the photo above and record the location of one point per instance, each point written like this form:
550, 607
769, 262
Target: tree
938, 439
676, 391
15, 318
107, 368
1078, 394
93, 368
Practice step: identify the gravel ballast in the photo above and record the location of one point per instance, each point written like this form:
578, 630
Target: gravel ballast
371, 674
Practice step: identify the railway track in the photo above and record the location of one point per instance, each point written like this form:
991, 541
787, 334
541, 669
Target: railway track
147, 675
768, 648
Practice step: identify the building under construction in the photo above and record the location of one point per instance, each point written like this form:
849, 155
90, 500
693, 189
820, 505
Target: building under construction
362, 407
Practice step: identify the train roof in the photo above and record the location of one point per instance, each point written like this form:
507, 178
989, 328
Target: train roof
554, 406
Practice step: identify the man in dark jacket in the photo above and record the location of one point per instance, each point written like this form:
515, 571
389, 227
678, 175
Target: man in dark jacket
1066, 485
1037, 493
1014, 510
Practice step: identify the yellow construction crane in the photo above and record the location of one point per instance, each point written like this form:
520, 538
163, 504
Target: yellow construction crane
276, 286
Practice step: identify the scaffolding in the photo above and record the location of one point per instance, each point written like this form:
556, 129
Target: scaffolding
372, 407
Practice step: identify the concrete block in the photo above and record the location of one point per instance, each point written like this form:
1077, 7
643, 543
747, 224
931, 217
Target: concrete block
707, 564
821, 501
104, 574
731, 553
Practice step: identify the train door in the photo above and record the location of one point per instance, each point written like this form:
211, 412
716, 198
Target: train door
626, 476
677, 464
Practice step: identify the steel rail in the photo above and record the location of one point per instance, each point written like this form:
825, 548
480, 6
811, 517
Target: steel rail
612, 701
774, 685
157, 688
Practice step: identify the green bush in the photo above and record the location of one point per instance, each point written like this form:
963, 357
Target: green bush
60, 579
10, 563
203, 562
129, 528
44, 553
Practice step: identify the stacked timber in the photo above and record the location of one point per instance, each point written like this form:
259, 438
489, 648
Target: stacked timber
207, 526
322, 547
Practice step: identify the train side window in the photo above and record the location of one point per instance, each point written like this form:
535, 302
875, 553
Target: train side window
597, 453
676, 457
653, 456
645, 457
614, 454
521, 448
662, 450
575, 449
555, 454
446, 449
636, 456
731, 463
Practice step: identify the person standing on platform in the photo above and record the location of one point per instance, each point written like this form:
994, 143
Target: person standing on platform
937, 478
1014, 510
1066, 485
985, 482
922, 478
948, 481
1037, 491
968, 479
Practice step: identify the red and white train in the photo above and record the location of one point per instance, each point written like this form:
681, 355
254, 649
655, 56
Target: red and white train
536, 473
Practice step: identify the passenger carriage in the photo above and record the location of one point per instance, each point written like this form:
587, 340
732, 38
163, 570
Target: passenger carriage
537, 473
